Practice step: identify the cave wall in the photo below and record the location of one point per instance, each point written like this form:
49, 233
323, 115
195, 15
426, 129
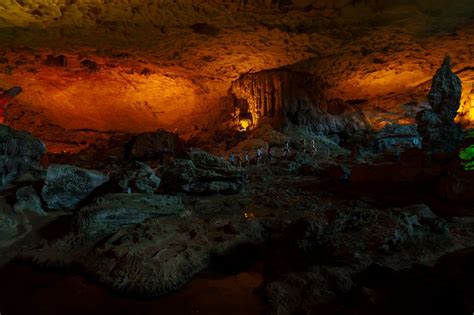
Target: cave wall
282, 97
382, 53
277, 94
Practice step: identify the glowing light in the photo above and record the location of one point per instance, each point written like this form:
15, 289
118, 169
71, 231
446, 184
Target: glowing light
244, 124
466, 110
249, 215
405, 121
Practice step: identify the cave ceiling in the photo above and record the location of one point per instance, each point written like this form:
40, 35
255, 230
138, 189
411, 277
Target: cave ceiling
163, 63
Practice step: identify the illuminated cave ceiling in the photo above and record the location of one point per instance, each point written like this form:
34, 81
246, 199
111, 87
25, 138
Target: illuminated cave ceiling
164, 63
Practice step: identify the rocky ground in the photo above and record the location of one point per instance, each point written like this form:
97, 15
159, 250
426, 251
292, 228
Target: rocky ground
308, 231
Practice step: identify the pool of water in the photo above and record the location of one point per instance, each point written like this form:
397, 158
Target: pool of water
27, 290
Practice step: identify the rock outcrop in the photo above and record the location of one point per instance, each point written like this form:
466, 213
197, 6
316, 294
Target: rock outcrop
398, 137
159, 255
202, 173
289, 97
436, 125
109, 213
28, 200
19, 152
66, 186
140, 178
336, 244
154, 145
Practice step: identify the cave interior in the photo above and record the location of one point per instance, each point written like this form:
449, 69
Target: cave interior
237, 156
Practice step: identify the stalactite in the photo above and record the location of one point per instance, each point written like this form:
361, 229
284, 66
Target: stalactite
277, 92
283, 96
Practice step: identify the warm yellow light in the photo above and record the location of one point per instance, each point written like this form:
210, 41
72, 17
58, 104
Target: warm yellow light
466, 110
405, 121
244, 124
249, 215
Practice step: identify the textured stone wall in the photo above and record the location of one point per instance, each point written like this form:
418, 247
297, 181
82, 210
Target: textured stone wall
282, 97
279, 93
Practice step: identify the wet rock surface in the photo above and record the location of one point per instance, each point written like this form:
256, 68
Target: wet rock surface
66, 186
19, 153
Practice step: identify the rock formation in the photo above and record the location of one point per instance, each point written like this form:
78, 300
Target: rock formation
436, 125
109, 213
140, 178
28, 200
66, 186
19, 152
338, 242
285, 97
202, 173
396, 137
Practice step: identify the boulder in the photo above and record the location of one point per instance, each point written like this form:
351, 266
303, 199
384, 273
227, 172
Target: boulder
19, 153
28, 200
395, 137
111, 212
66, 186
436, 125
202, 173
153, 145
140, 178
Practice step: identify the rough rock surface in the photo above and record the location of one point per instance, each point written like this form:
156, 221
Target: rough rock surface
8, 226
66, 186
287, 97
158, 255
361, 61
398, 137
111, 212
140, 178
169, 252
28, 200
437, 127
19, 152
154, 145
336, 244
202, 173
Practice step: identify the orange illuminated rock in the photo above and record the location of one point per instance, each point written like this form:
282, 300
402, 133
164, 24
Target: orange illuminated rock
114, 66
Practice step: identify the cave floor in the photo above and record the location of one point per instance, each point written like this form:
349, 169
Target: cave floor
216, 291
